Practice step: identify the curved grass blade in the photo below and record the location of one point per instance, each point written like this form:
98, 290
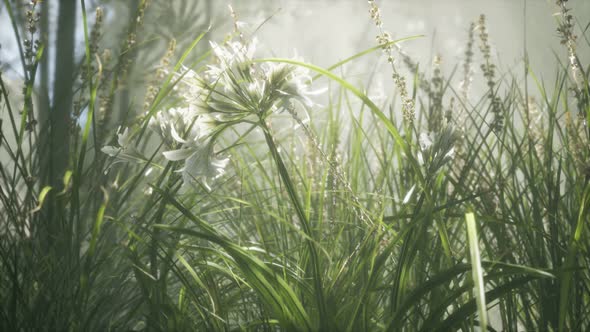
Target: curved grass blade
477, 270
400, 141
274, 290
566, 277
460, 315
367, 51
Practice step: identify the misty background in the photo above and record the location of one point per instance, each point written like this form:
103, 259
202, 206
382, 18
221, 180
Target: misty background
324, 32
321, 32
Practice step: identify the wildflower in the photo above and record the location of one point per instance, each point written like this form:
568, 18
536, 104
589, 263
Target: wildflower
290, 82
375, 13
438, 149
235, 51
125, 151
424, 141
568, 38
123, 139
234, 57
235, 86
467, 70
385, 41
230, 89
196, 149
200, 162
181, 120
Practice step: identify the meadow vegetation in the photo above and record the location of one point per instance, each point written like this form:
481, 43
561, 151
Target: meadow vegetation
255, 193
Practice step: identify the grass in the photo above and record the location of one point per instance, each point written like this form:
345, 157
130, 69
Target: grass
351, 216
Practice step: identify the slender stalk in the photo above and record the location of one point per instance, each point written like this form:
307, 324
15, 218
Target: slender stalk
60, 117
302, 216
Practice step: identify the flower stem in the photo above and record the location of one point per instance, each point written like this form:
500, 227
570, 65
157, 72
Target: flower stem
284, 174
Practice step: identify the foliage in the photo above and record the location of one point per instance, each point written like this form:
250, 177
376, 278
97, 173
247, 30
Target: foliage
232, 200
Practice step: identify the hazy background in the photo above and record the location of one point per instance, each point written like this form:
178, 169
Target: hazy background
322, 32
326, 31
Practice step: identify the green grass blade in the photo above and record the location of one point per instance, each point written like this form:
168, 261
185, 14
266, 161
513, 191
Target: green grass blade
368, 51
566, 276
278, 295
460, 316
42, 196
477, 270
388, 124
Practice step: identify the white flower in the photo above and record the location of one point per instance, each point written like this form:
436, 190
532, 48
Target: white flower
123, 139
190, 87
233, 57
425, 141
200, 162
112, 151
436, 149
125, 151
234, 53
173, 121
291, 82
235, 86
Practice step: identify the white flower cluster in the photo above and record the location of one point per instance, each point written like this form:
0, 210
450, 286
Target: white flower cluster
196, 149
235, 86
190, 133
229, 90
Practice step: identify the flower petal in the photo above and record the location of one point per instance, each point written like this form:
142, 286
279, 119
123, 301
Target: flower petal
110, 150
176, 155
176, 136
